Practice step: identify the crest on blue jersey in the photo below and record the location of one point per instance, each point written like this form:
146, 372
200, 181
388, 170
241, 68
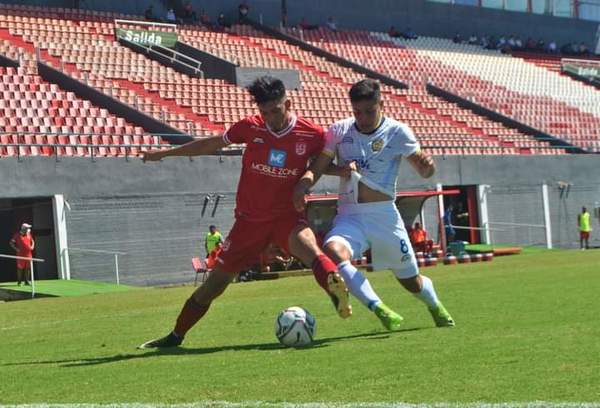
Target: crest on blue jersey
277, 158
377, 145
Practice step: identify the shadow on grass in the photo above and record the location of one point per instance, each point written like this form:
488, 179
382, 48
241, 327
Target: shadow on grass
180, 351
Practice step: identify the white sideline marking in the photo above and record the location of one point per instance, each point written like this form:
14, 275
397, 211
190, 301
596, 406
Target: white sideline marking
260, 404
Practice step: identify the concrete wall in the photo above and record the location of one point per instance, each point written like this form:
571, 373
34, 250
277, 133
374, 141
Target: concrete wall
153, 211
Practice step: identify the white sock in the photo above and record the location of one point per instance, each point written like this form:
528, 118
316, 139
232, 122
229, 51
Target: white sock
427, 294
358, 285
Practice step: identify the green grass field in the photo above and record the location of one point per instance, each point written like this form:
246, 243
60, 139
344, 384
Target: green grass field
71, 287
527, 330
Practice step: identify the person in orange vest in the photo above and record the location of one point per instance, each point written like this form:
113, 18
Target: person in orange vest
418, 238
211, 259
22, 242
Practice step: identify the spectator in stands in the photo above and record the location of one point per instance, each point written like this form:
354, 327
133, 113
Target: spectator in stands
170, 17
568, 49
243, 10
212, 240
511, 42
457, 38
303, 24
583, 49
330, 24
552, 48
501, 45
583, 221
530, 44
149, 13
518, 43
392, 32
222, 21
205, 19
484, 41
23, 244
189, 15
419, 241
473, 39
541, 45
492, 43
409, 34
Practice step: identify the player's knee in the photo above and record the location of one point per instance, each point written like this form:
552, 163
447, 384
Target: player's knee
337, 251
213, 287
303, 238
412, 284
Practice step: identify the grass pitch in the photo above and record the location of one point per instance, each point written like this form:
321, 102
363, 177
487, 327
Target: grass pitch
527, 330
71, 287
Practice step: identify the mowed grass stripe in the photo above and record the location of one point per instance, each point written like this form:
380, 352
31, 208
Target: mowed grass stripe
260, 404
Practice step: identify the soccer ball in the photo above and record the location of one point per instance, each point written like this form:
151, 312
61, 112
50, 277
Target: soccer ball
295, 327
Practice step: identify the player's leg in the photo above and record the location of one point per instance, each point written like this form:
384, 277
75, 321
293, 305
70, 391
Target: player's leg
27, 274
245, 240
391, 248
20, 274
302, 244
342, 242
407, 273
194, 309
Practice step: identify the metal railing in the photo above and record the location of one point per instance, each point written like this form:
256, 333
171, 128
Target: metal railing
127, 150
116, 254
31, 261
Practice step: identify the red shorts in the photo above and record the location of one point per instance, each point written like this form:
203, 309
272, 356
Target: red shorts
248, 239
584, 234
22, 264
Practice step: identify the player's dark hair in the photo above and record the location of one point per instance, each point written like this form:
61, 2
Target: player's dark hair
365, 90
266, 89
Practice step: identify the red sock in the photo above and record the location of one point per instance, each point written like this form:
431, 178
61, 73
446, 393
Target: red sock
321, 267
189, 316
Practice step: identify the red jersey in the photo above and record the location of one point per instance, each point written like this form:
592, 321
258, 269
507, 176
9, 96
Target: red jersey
272, 164
23, 243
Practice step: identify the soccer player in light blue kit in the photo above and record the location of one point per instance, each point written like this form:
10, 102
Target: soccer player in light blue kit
369, 148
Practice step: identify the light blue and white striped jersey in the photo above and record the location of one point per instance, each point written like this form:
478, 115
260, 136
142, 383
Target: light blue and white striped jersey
377, 154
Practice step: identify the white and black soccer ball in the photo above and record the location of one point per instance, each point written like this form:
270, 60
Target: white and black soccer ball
295, 327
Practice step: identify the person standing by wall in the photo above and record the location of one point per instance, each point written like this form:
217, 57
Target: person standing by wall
213, 238
585, 228
22, 242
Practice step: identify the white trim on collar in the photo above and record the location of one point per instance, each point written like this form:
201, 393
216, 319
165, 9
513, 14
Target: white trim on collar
285, 131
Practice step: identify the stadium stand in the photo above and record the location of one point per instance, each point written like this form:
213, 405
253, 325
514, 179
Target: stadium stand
82, 44
38, 118
535, 96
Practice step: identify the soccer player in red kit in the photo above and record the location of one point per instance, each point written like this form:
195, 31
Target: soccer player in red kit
278, 148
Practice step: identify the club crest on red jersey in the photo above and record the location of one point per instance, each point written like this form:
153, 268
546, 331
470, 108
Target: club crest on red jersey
300, 148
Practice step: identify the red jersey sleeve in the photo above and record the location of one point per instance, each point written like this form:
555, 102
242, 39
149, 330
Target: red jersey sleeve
238, 132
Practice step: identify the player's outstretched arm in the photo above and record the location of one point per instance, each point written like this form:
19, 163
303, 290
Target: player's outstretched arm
199, 147
422, 163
